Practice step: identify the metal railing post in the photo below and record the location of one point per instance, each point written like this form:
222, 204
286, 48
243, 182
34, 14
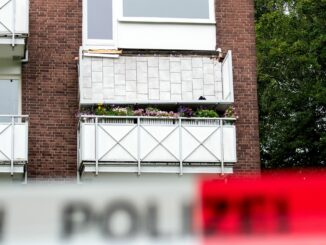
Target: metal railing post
180, 146
12, 145
138, 145
222, 147
96, 145
25, 175
78, 149
13, 22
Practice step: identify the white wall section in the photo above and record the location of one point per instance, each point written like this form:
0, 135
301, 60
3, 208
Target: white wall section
177, 36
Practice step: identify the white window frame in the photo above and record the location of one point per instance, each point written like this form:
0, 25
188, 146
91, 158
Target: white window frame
210, 20
100, 43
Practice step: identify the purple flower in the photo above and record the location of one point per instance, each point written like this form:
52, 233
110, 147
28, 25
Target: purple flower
185, 111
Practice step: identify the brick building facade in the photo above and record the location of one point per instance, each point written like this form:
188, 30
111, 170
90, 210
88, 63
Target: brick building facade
51, 93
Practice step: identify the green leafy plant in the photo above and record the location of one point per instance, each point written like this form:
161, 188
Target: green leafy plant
205, 113
121, 111
100, 110
230, 112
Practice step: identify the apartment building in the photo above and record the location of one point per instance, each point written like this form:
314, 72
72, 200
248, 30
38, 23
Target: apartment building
61, 62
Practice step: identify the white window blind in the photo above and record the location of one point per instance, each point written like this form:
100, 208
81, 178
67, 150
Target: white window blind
192, 9
99, 19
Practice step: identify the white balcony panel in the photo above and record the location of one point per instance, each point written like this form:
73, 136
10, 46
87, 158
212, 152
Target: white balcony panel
14, 17
157, 79
157, 141
87, 139
229, 143
13, 142
108, 138
227, 78
210, 139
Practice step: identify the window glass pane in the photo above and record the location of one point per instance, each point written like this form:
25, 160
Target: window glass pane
99, 19
195, 9
9, 97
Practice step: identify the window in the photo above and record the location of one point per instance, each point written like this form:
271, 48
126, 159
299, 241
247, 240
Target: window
99, 11
98, 22
9, 98
149, 24
191, 9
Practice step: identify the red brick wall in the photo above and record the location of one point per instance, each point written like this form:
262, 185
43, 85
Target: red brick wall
236, 31
50, 87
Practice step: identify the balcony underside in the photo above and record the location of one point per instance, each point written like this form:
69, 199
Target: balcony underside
162, 168
7, 51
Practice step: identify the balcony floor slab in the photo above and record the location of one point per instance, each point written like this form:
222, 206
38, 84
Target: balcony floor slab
122, 168
18, 168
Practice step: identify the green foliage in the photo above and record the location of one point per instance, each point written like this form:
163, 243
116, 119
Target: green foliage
291, 52
230, 112
206, 113
103, 110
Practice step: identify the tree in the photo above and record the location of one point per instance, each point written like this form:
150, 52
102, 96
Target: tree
291, 53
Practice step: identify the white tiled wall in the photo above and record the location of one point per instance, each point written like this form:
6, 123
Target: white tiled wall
150, 79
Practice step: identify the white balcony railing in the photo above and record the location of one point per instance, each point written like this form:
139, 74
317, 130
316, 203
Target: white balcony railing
14, 18
13, 143
162, 145
14, 29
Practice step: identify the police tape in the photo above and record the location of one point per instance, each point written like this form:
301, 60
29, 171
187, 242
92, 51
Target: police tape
174, 210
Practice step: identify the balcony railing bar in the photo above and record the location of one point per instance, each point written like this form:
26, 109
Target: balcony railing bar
96, 144
13, 25
180, 147
161, 118
12, 146
138, 148
222, 148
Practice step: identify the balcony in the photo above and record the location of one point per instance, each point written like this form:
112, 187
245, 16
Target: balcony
14, 22
13, 144
156, 145
155, 79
